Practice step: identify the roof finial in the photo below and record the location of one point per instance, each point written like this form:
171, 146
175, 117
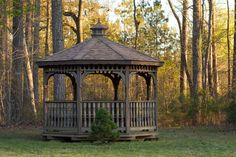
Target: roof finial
98, 29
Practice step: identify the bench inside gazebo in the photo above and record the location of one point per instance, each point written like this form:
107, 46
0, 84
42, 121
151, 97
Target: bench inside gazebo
135, 118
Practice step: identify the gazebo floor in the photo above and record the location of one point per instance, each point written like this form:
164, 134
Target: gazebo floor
132, 136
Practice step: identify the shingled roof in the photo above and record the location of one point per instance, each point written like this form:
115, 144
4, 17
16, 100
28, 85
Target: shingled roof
99, 50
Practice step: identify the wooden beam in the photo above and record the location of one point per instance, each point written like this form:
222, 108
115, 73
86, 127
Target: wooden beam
45, 82
127, 112
148, 83
79, 104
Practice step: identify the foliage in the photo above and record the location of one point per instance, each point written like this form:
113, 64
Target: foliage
231, 110
103, 127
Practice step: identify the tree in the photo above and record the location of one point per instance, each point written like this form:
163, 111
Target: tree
214, 54
36, 49
206, 53
183, 42
46, 49
228, 47
4, 62
29, 75
234, 53
58, 45
136, 23
78, 22
195, 55
17, 63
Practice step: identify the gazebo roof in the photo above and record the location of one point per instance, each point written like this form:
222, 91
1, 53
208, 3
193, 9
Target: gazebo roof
99, 50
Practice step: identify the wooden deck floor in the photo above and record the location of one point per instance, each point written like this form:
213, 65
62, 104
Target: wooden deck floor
85, 137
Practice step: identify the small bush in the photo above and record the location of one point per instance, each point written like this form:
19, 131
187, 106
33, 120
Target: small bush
231, 113
103, 127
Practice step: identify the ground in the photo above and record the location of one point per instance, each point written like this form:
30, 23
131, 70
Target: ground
176, 142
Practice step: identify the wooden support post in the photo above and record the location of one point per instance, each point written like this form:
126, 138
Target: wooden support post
78, 101
148, 83
115, 91
127, 113
116, 82
155, 99
45, 82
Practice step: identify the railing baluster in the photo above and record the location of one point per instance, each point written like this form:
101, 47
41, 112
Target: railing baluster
94, 111
89, 114
122, 115
112, 111
117, 114
131, 115
85, 116
148, 113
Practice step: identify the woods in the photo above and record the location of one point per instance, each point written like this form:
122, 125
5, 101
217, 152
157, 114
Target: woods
196, 86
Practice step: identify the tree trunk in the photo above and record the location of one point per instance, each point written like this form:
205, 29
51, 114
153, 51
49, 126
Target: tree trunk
29, 75
80, 27
196, 49
46, 49
136, 24
206, 54
202, 55
17, 62
214, 54
2, 70
58, 45
78, 22
184, 46
228, 46
36, 50
27, 37
183, 42
209, 70
234, 53
6, 70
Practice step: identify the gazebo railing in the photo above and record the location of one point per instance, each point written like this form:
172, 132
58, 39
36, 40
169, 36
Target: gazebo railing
116, 109
63, 116
142, 115
60, 115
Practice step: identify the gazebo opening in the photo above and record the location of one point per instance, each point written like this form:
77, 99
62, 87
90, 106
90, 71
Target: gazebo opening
100, 73
69, 93
99, 87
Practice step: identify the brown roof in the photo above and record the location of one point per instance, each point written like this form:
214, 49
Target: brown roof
99, 50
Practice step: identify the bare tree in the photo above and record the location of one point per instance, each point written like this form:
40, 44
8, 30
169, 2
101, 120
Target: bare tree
214, 54
196, 49
78, 22
6, 72
17, 62
234, 53
58, 45
206, 53
136, 24
228, 46
36, 49
29, 75
46, 49
183, 42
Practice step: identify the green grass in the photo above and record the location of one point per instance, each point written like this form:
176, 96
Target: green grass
181, 142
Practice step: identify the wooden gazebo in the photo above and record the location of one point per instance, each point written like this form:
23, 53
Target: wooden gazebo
99, 55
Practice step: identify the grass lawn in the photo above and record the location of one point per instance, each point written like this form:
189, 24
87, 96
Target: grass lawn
173, 142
